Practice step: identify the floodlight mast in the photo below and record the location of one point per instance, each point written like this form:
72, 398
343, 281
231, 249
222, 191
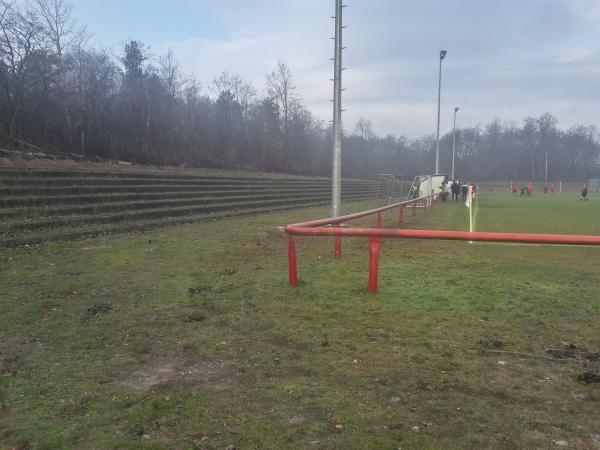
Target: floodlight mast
336, 178
443, 54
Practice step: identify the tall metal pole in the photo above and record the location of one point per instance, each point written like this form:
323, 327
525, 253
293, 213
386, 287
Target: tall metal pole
437, 142
454, 141
336, 193
546, 177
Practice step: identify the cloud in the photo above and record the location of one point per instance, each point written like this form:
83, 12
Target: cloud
506, 59
587, 10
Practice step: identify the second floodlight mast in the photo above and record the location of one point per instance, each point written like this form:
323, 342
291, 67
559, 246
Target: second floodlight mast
336, 166
443, 54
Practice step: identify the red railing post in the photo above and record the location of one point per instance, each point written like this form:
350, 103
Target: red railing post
374, 252
292, 264
414, 208
401, 215
338, 247
379, 220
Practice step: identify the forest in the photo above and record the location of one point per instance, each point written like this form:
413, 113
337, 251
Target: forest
60, 94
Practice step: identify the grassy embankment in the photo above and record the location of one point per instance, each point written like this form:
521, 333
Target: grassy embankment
190, 338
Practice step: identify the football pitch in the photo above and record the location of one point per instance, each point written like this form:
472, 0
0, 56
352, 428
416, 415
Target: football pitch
190, 337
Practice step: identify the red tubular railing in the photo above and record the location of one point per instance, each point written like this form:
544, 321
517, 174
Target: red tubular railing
331, 227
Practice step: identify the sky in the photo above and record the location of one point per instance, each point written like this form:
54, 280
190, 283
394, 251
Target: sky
506, 59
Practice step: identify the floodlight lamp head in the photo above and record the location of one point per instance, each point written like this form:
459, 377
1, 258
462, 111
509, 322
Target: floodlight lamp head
443, 54
456, 109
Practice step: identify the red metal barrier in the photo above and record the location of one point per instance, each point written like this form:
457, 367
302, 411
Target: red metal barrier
292, 266
331, 227
338, 247
374, 252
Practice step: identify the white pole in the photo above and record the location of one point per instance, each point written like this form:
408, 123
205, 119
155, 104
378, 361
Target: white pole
454, 142
546, 176
336, 178
437, 141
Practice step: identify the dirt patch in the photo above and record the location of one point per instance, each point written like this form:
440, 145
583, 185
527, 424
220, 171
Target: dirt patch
10, 361
589, 378
199, 290
99, 309
195, 317
5, 162
593, 357
228, 273
569, 351
213, 375
491, 344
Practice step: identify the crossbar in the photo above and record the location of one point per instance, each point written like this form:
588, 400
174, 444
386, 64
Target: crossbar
476, 236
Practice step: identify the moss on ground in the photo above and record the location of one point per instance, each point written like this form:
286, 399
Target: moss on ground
190, 338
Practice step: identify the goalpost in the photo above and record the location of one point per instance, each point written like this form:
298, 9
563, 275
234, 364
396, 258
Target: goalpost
426, 186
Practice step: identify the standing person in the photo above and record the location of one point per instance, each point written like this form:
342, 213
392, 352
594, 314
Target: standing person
414, 191
552, 188
442, 191
523, 190
514, 189
584, 192
529, 189
447, 191
455, 190
545, 189
464, 191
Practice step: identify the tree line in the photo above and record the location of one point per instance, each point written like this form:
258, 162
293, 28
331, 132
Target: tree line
60, 94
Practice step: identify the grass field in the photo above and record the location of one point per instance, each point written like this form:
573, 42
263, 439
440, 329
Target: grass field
190, 337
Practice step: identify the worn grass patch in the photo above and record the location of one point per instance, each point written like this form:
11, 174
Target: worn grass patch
190, 338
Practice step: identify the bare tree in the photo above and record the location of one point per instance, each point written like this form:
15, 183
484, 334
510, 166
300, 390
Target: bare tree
242, 91
60, 94
59, 24
281, 87
21, 38
364, 128
170, 74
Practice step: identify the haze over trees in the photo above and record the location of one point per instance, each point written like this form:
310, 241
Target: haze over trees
60, 94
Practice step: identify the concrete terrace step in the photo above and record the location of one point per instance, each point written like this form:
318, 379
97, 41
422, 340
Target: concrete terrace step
42, 205
80, 220
56, 182
137, 204
145, 188
20, 177
95, 231
53, 173
90, 199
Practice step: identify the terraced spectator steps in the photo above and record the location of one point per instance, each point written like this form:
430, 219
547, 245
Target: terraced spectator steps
37, 205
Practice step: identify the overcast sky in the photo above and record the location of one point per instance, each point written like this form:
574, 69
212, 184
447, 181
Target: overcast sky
506, 59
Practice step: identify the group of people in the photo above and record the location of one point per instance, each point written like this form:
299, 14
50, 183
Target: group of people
527, 190
452, 190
